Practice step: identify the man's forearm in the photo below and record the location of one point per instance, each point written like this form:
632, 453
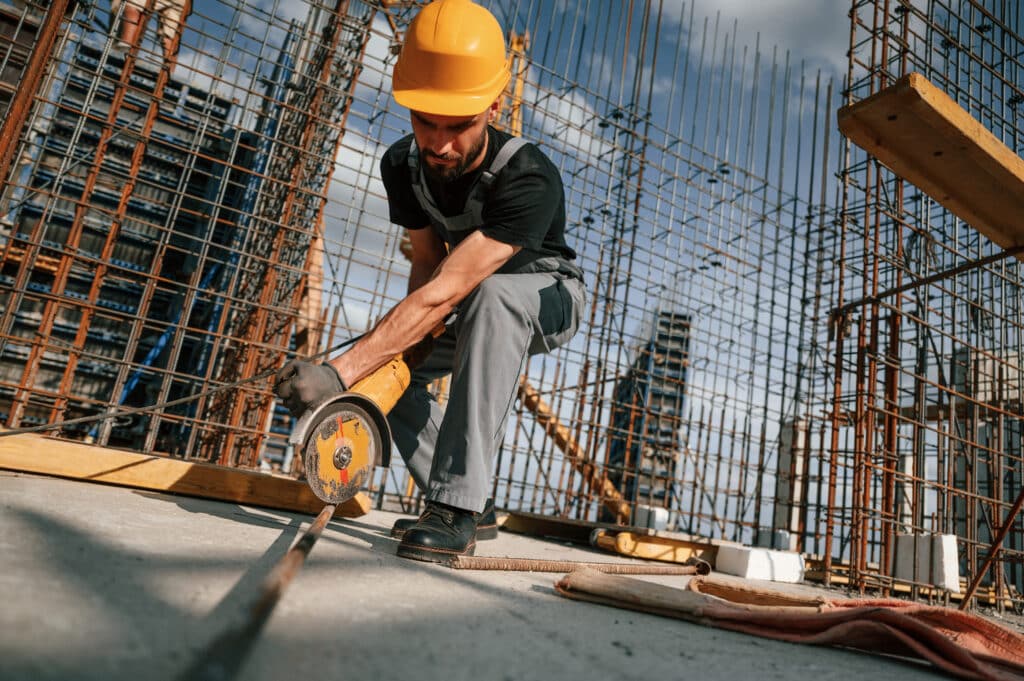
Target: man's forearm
405, 325
434, 296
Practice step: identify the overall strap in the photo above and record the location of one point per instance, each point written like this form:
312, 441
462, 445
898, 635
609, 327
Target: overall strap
421, 192
505, 154
472, 215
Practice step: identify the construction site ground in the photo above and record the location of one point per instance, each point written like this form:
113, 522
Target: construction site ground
102, 582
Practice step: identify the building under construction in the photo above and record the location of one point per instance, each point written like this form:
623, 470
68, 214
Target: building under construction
790, 341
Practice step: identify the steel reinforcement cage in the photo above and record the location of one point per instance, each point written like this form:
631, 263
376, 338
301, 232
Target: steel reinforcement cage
185, 208
182, 218
926, 433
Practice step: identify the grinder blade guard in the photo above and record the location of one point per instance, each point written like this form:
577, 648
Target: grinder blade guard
341, 440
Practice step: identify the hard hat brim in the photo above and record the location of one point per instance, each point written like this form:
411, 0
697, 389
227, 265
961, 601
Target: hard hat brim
446, 103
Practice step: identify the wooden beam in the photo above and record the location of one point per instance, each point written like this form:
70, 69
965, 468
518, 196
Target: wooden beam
667, 549
563, 529
598, 482
925, 137
36, 454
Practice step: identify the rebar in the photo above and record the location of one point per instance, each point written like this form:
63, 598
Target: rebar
926, 416
176, 221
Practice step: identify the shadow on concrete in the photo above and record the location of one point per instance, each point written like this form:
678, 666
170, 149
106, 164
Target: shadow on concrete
378, 538
514, 634
239, 617
264, 517
118, 576
217, 645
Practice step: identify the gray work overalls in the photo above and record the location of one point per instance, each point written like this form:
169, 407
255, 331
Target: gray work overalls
450, 451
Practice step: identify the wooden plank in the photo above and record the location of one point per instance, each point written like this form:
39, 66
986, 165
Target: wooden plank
36, 454
922, 135
598, 482
632, 542
565, 529
667, 549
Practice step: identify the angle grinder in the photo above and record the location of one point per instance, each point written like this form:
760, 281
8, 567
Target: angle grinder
343, 437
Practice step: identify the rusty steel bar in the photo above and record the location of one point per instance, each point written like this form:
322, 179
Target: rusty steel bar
26, 94
254, 361
118, 217
997, 543
284, 570
72, 241
927, 281
540, 565
224, 655
944, 406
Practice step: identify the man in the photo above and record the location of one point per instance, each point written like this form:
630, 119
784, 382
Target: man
485, 214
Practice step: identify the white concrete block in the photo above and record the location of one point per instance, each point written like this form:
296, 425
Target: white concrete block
780, 540
653, 517
937, 562
754, 563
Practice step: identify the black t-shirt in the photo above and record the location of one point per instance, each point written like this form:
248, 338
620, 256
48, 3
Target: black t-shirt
524, 207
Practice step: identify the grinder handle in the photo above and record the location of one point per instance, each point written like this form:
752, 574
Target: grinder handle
385, 385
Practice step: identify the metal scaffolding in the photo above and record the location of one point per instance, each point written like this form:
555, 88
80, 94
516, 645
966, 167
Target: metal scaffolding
925, 435
182, 216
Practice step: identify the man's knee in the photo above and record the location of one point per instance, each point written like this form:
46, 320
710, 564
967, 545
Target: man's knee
495, 297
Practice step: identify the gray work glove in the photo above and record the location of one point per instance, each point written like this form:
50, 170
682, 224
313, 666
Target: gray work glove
301, 384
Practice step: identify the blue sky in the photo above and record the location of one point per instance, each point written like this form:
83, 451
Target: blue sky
228, 47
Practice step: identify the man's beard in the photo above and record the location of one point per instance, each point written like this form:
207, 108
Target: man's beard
457, 170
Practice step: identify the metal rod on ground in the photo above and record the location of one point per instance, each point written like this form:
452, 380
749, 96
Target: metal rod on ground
224, 656
997, 543
285, 570
538, 565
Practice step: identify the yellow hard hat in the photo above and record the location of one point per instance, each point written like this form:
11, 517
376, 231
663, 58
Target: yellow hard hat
453, 61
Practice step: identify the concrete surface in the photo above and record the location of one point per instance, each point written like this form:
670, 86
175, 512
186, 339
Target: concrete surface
108, 583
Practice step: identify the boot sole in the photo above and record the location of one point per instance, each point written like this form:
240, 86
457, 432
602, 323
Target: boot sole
431, 555
487, 531
397, 533
483, 532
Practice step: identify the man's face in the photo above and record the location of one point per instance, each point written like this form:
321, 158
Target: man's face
450, 146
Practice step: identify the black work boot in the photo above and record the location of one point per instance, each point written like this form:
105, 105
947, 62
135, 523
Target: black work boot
440, 534
486, 526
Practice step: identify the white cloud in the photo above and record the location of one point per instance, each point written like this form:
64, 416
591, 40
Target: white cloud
818, 31
256, 14
565, 119
377, 57
211, 74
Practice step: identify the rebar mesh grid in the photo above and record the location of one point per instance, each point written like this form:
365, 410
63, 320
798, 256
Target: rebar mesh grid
178, 218
926, 421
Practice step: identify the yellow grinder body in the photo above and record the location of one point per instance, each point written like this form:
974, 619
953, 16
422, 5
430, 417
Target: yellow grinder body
343, 437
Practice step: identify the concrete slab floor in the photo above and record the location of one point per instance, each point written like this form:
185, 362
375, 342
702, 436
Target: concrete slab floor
100, 582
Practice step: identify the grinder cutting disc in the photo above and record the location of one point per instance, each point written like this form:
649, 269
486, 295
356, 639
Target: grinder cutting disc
341, 448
